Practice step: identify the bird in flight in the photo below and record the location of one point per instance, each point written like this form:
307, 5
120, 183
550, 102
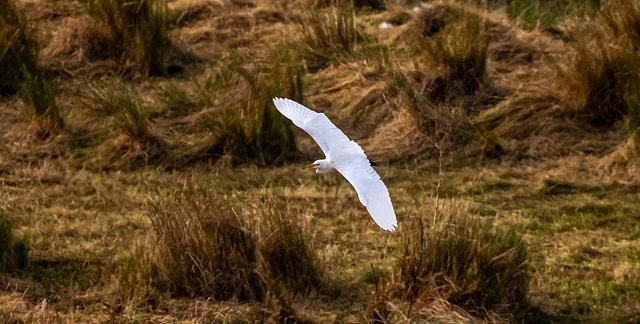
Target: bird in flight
345, 156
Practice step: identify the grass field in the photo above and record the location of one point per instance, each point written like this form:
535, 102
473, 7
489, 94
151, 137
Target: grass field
146, 177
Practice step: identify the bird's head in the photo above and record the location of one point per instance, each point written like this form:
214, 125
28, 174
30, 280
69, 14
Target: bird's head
321, 166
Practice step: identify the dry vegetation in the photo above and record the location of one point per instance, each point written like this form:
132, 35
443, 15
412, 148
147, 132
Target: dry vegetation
145, 175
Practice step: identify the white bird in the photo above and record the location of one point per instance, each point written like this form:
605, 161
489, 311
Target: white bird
346, 156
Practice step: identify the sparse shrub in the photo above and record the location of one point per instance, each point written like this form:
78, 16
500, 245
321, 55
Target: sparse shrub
328, 37
14, 253
378, 310
139, 29
40, 98
205, 250
18, 48
286, 253
464, 259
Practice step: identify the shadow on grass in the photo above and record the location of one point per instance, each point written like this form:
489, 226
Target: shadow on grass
74, 273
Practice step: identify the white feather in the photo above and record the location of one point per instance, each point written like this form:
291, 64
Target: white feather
347, 157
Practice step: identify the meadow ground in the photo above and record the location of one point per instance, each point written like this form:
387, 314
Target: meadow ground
146, 177
581, 229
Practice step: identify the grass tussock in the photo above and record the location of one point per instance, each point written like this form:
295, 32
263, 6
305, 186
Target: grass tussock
247, 129
19, 48
286, 253
202, 245
199, 94
600, 73
19, 63
14, 252
328, 36
455, 41
116, 99
449, 82
137, 29
124, 117
202, 250
465, 260
39, 97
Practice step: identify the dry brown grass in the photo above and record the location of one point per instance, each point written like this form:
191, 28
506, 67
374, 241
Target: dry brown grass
95, 254
232, 251
463, 259
139, 29
20, 48
187, 11
196, 250
247, 129
329, 36
40, 100
286, 252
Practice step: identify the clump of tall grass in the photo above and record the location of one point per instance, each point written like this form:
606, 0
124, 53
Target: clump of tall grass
364, 4
455, 41
139, 29
14, 253
271, 133
449, 82
249, 129
329, 37
40, 98
18, 48
600, 73
286, 254
446, 126
137, 275
19, 63
199, 94
205, 249
207, 244
116, 99
464, 259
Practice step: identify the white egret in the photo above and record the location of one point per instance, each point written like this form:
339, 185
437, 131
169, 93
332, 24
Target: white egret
345, 156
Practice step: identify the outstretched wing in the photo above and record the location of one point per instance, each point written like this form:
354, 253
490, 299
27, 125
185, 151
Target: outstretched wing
347, 157
372, 192
329, 137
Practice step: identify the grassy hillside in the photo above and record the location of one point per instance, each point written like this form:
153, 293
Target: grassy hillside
145, 175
